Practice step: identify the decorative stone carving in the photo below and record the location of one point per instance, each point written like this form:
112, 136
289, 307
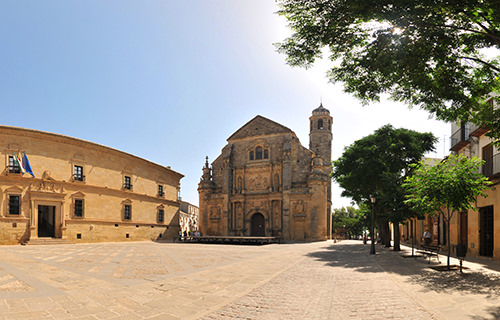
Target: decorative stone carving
46, 175
258, 183
299, 207
46, 186
215, 213
14, 146
276, 214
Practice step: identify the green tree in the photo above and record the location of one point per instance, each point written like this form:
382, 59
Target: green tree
442, 56
450, 186
378, 164
351, 219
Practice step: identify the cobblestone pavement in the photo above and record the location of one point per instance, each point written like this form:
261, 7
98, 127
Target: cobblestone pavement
322, 280
329, 284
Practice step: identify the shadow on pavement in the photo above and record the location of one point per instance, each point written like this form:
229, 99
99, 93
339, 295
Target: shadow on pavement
355, 255
470, 282
493, 311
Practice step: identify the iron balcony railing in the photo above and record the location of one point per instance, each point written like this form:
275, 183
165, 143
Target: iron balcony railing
78, 177
460, 138
491, 166
14, 169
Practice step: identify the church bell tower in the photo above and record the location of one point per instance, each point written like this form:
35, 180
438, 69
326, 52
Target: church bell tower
320, 142
320, 134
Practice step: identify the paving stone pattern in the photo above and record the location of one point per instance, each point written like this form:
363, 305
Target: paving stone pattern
339, 289
321, 280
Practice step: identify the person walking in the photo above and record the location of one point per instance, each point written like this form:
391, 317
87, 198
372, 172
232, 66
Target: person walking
427, 237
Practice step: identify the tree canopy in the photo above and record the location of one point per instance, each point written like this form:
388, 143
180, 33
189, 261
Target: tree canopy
450, 186
377, 165
378, 162
442, 56
350, 219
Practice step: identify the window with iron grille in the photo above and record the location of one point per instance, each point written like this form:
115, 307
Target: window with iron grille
126, 183
160, 190
14, 204
78, 173
79, 208
161, 215
13, 165
127, 212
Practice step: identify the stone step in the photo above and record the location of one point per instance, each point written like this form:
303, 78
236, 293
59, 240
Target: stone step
47, 241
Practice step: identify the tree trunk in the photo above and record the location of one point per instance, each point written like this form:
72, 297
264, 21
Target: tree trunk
381, 232
448, 236
396, 237
387, 241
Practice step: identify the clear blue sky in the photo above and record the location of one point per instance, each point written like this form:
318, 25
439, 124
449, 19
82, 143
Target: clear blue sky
170, 81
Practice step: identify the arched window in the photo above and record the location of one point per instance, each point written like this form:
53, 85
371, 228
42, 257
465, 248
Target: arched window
320, 124
258, 153
251, 155
266, 154
329, 125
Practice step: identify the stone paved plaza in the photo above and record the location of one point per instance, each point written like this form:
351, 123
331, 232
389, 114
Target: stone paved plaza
322, 280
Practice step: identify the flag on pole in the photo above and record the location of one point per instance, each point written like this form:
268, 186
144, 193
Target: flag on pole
19, 164
27, 166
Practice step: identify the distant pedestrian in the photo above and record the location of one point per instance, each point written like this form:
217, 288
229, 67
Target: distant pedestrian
180, 235
185, 235
427, 237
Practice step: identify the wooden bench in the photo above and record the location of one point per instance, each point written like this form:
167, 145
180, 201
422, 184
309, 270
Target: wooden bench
430, 251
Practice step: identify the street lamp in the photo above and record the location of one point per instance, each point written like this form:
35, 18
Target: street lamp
372, 231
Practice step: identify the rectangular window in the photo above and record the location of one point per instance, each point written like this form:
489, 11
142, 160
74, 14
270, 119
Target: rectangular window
78, 173
14, 203
126, 183
161, 214
79, 208
160, 190
127, 212
13, 165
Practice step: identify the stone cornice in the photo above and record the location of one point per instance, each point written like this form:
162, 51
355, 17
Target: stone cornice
118, 222
49, 136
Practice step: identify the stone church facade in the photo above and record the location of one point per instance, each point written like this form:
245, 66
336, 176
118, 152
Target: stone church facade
265, 183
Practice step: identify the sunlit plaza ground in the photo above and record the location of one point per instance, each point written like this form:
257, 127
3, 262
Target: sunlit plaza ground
321, 280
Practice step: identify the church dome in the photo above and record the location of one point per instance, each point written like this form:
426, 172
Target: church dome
320, 110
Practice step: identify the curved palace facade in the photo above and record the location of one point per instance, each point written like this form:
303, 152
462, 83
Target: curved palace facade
82, 191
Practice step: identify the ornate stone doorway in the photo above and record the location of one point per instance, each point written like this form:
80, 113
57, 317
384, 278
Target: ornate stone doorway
258, 225
46, 221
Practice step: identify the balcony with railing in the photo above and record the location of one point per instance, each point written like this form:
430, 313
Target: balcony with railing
460, 138
491, 167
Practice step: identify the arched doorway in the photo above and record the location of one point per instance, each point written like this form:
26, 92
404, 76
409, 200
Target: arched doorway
258, 225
